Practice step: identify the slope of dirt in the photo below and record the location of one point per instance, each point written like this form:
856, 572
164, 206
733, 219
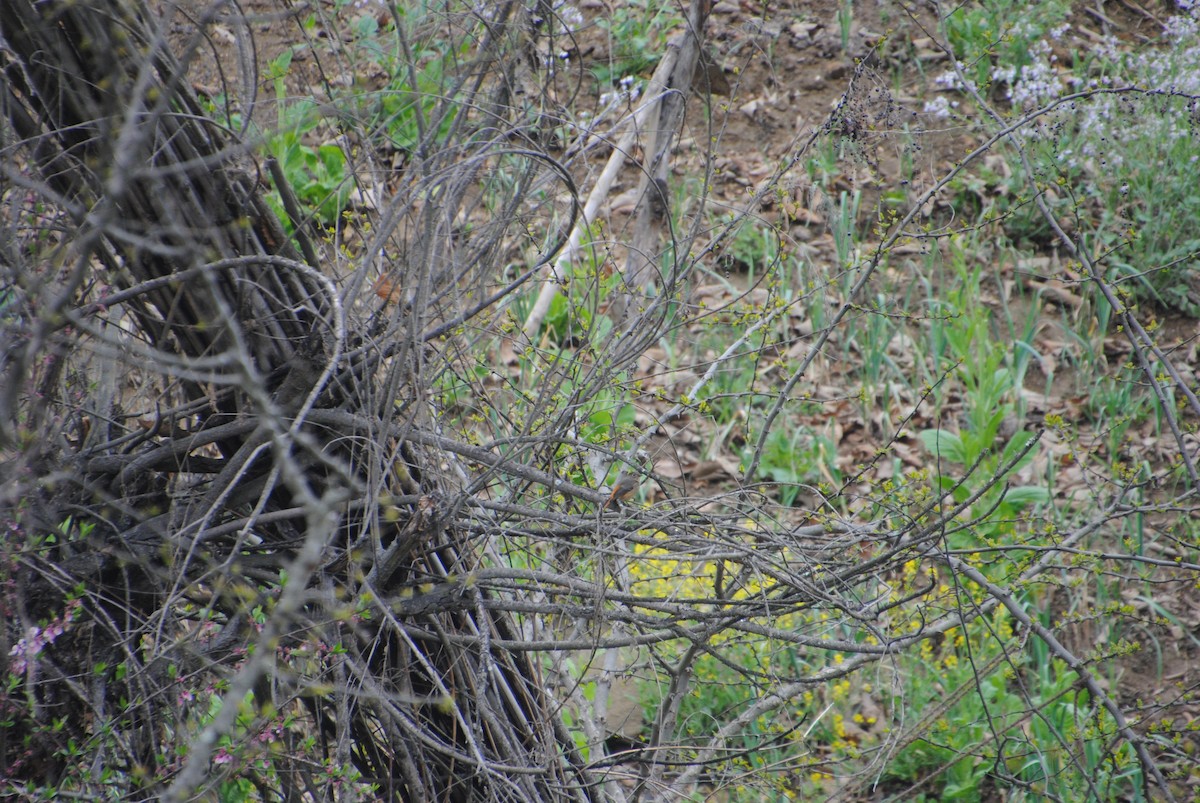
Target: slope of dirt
787, 69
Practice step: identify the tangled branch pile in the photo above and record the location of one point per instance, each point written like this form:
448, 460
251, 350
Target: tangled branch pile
308, 511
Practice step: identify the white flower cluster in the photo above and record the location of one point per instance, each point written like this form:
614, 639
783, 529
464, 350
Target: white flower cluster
625, 96
940, 107
567, 19
949, 80
1114, 126
1037, 82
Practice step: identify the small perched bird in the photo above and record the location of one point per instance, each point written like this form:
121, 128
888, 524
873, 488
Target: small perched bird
624, 485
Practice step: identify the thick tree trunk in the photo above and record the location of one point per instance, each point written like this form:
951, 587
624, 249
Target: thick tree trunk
213, 536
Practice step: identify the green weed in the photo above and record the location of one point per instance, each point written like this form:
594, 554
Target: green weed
1000, 34
318, 174
637, 33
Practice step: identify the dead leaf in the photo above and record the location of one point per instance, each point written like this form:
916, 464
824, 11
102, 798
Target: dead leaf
718, 470
1056, 291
